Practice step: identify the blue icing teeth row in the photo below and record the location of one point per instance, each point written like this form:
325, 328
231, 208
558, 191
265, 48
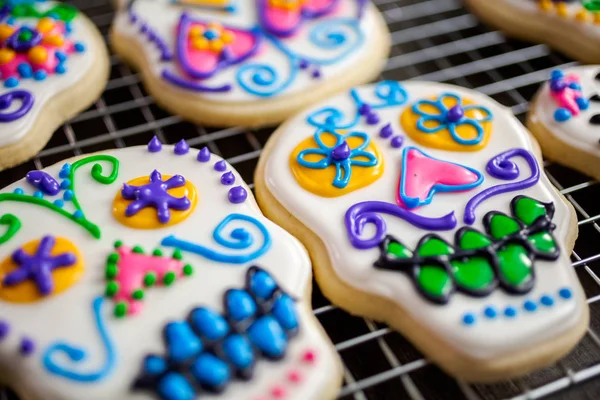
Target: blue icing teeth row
209, 349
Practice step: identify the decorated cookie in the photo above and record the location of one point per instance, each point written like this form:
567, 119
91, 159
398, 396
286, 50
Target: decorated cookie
249, 62
119, 280
570, 26
424, 205
565, 117
53, 64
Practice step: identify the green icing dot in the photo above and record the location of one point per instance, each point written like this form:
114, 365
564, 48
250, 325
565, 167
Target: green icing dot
529, 210
473, 273
398, 250
188, 270
471, 240
169, 278
111, 271
177, 254
138, 294
25, 36
118, 244
111, 289
121, 309
157, 253
150, 279
434, 247
138, 250
543, 241
502, 226
113, 258
515, 264
434, 280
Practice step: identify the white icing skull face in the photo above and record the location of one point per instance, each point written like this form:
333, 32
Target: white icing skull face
245, 51
45, 49
430, 196
150, 273
569, 107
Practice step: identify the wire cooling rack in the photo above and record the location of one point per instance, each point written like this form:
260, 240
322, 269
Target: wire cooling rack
436, 40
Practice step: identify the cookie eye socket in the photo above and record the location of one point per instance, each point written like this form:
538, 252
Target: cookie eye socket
155, 201
448, 122
332, 164
40, 269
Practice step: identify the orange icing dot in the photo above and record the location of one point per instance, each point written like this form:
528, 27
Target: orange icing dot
228, 37
6, 31
54, 40
216, 45
147, 218
196, 30
200, 43
46, 25
6, 56
38, 55
27, 291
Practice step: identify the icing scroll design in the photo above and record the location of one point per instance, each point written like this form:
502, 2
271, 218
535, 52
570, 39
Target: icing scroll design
25, 97
13, 224
368, 212
239, 239
340, 36
77, 354
68, 172
502, 167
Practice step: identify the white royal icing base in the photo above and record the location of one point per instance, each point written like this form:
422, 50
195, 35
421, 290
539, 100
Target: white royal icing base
68, 315
163, 16
78, 64
577, 131
485, 339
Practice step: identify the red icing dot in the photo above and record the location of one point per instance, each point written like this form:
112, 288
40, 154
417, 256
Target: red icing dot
278, 392
309, 357
294, 376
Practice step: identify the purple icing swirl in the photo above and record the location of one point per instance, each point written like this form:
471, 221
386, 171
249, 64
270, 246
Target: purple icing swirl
366, 212
196, 87
501, 167
6, 100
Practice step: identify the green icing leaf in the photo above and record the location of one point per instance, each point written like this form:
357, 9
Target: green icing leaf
434, 280
471, 240
529, 210
475, 273
502, 226
515, 264
398, 250
543, 241
434, 247
63, 12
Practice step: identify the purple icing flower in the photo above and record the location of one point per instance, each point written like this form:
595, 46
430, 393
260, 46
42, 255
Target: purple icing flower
154, 194
38, 267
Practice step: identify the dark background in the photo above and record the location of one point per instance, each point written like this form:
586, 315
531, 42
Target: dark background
436, 40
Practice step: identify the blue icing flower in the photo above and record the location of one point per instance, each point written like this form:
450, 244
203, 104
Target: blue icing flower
268, 336
238, 351
175, 387
182, 342
450, 118
210, 370
209, 324
340, 155
285, 312
239, 304
262, 285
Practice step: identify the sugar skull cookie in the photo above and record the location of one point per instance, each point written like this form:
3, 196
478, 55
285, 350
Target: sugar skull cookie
423, 205
53, 64
150, 273
565, 115
570, 26
250, 62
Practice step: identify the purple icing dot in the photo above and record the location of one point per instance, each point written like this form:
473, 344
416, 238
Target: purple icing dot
151, 35
397, 141
455, 114
364, 109
227, 178
316, 74
154, 146
132, 17
182, 147
220, 166
386, 131
144, 28
4, 329
341, 152
203, 155
27, 346
237, 195
303, 64
372, 118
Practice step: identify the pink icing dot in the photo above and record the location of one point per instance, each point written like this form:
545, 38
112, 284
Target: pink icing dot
294, 376
309, 357
278, 392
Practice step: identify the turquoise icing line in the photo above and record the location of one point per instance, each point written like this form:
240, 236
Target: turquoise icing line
78, 355
240, 239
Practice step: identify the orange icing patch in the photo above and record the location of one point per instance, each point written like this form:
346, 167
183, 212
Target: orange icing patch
27, 291
443, 139
319, 181
148, 217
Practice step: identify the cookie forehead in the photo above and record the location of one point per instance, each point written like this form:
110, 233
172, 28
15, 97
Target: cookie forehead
67, 316
343, 39
325, 217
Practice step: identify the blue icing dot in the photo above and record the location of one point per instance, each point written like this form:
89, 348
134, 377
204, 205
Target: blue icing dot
64, 185
575, 86
155, 365
557, 74
65, 171
11, 82
60, 56
490, 312
238, 351
11, 21
79, 47
38, 194
262, 284
546, 300
209, 324
565, 293
510, 312
68, 195
211, 370
78, 214
19, 191
182, 342
583, 104
562, 115
59, 203
60, 69
210, 34
268, 336
239, 304
529, 305
468, 319
175, 387
25, 70
39, 75
284, 311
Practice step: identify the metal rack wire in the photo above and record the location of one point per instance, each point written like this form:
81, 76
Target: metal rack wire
436, 40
